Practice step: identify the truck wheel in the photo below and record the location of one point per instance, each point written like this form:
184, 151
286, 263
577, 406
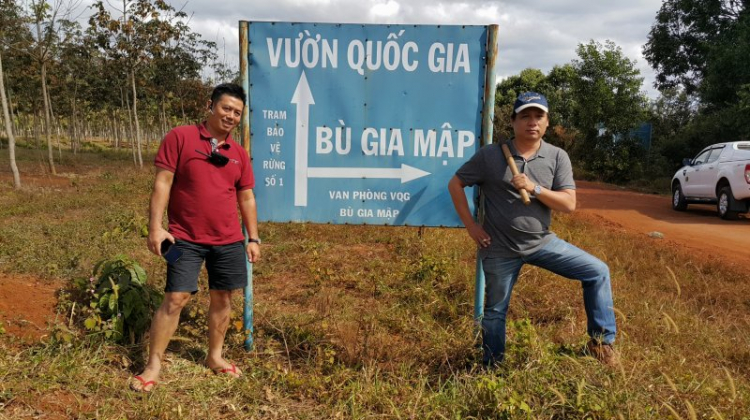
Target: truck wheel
679, 202
723, 204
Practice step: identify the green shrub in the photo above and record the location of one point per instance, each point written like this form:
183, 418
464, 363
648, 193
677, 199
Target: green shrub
613, 161
120, 303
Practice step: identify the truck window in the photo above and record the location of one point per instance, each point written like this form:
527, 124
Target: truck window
701, 158
715, 153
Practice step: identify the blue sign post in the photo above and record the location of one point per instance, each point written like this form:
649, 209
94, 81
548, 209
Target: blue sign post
364, 124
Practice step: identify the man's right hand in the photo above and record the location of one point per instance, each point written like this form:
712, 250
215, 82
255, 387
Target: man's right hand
478, 234
156, 237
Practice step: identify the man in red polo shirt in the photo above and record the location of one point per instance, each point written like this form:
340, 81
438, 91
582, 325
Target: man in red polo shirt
204, 176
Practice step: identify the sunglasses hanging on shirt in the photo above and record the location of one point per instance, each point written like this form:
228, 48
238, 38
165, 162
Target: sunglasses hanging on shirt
215, 157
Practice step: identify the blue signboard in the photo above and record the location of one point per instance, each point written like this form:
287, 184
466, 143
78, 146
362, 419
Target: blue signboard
362, 124
643, 133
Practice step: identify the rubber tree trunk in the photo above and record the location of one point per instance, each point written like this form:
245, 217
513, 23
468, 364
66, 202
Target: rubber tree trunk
135, 117
56, 124
130, 122
47, 122
9, 129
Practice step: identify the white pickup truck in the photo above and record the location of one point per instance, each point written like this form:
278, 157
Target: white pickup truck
719, 174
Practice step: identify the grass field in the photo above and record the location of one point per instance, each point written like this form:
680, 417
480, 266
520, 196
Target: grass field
361, 322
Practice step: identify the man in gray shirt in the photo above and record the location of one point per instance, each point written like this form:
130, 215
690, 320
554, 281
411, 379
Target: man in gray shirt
514, 234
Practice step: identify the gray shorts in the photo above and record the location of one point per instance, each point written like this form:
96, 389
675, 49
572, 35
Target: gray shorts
226, 266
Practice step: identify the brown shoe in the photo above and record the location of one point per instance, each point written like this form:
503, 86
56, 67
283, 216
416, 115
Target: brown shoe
603, 352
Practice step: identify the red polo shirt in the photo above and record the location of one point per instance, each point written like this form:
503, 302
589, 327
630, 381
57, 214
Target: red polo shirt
203, 200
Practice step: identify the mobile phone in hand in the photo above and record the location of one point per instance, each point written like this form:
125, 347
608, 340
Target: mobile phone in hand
170, 252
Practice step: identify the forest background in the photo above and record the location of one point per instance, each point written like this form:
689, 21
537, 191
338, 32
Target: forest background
132, 73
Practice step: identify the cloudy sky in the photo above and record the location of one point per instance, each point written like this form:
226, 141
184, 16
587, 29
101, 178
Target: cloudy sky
533, 34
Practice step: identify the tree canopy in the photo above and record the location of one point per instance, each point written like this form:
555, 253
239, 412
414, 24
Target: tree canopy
607, 89
703, 48
682, 37
594, 101
87, 67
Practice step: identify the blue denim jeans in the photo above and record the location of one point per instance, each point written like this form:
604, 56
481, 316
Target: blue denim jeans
560, 258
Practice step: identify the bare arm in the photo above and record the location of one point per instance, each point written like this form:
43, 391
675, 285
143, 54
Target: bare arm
474, 229
249, 212
159, 200
563, 200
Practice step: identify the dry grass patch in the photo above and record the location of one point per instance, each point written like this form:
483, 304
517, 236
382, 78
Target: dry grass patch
375, 322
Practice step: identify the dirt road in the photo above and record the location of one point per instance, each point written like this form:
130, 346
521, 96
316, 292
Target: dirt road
699, 230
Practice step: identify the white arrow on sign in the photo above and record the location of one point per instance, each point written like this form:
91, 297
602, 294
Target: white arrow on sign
303, 98
406, 173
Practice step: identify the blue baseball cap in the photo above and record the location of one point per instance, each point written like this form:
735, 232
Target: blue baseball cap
530, 99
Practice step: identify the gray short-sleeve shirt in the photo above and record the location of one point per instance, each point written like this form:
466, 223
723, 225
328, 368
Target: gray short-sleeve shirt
516, 229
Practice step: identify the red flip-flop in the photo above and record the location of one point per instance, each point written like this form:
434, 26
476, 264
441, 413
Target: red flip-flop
144, 384
232, 371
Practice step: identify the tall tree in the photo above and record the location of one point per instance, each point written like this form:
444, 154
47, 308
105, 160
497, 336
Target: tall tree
727, 66
608, 104
10, 23
670, 114
45, 20
682, 36
76, 69
144, 29
9, 128
175, 66
671, 111
607, 89
560, 94
703, 46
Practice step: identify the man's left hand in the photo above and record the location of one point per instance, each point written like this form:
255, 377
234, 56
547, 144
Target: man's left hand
253, 252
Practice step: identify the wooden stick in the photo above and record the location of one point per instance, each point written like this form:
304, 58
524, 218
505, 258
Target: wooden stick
514, 170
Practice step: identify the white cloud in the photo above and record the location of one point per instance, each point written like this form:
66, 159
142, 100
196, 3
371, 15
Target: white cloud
535, 33
387, 9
